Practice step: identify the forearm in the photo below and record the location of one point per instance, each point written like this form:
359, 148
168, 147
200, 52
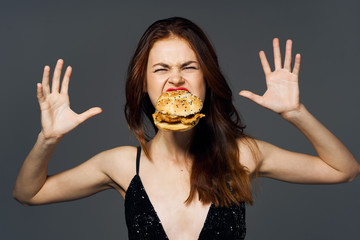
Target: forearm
329, 148
33, 172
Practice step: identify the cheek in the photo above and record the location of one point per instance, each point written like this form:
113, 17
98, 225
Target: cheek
150, 91
153, 88
203, 92
153, 97
200, 86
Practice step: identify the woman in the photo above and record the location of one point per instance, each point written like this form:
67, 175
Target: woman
182, 185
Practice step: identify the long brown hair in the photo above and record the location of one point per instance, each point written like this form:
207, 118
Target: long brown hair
216, 175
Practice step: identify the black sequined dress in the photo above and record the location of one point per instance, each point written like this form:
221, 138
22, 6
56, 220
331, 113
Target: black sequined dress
144, 224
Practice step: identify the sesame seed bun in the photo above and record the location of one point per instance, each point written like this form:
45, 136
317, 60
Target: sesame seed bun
178, 103
177, 111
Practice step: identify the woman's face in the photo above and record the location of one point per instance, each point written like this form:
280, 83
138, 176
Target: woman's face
172, 64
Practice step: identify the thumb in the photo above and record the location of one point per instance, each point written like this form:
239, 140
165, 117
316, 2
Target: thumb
89, 113
252, 96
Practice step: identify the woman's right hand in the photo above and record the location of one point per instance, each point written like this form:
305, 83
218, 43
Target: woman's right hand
57, 118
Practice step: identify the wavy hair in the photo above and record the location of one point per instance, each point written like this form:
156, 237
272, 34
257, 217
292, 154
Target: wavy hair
216, 173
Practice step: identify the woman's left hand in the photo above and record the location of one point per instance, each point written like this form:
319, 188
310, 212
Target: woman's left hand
282, 94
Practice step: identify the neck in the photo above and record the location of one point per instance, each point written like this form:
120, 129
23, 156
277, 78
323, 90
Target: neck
172, 146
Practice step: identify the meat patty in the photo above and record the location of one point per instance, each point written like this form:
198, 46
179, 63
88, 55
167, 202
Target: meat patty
174, 119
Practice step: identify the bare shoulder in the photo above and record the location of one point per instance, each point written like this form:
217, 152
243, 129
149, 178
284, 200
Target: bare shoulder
250, 153
119, 164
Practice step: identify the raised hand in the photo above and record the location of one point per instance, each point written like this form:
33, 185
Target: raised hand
57, 118
282, 94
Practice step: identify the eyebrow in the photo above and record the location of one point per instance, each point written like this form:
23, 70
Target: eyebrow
167, 66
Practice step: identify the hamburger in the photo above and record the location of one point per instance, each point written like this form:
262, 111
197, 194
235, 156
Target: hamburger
177, 111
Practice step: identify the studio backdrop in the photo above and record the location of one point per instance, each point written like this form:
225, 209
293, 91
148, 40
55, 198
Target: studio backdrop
97, 38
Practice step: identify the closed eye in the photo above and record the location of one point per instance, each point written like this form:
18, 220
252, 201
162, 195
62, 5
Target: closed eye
160, 70
190, 68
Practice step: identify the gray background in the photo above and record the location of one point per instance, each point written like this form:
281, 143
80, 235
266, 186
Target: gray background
97, 40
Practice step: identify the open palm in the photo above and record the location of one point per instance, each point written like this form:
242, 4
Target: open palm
57, 118
282, 94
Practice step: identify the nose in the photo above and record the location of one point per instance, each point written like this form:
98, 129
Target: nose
176, 78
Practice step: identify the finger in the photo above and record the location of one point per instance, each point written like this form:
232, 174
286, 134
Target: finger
89, 113
287, 60
277, 54
56, 78
65, 82
296, 69
264, 62
39, 93
45, 81
252, 96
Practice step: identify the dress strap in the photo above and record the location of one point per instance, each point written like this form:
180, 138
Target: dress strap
138, 159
